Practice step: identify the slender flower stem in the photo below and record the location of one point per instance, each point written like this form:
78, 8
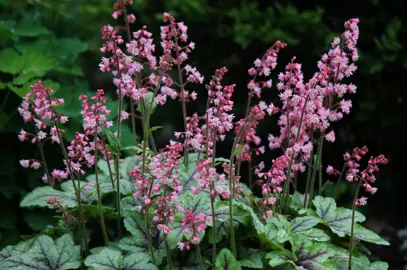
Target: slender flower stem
146, 121
198, 252
307, 185
314, 172
44, 162
119, 122
250, 174
118, 196
72, 176
167, 250
182, 90
149, 239
320, 187
231, 190
351, 243
102, 218
338, 183
213, 202
108, 165
295, 182
133, 123
133, 115
286, 188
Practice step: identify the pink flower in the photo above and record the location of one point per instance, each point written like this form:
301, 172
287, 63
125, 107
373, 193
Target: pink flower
124, 115
361, 201
23, 135
24, 163
164, 228
330, 170
35, 165
345, 106
131, 18
330, 136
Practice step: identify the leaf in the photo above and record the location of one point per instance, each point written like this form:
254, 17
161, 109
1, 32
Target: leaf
221, 160
105, 259
190, 261
115, 145
129, 205
39, 220
341, 261
240, 217
110, 259
126, 184
279, 257
196, 203
24, 78
311, 254
147, 102
327, 210
138, 261
226, 261
138, 242
257, 223
379, 266
29, 27
340, 220
66, 49
37, 62
297, 201
6, 27
188, 172
22, 247
93, 212
238, 150
11, 62
300, 224
45, 254
368, 236
154, 129
40, 195
252, 258
316, 234
277, 229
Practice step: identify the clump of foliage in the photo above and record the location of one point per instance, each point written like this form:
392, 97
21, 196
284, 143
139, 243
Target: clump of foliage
183, 206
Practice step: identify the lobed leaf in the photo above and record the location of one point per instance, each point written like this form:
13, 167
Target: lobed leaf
226, 261
252, 258
300, 224
43, 254
138, 241
40, 195
339, 221
105, 259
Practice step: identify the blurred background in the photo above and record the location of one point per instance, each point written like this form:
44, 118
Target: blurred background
59, 41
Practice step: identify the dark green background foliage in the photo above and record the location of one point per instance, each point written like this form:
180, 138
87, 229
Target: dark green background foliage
60, 44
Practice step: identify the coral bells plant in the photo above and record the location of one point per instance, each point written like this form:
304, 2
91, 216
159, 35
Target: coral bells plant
183, 206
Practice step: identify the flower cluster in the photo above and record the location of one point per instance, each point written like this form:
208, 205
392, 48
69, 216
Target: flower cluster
219, 116
209, 180
305, 116
308, 109
353, 173
193, 224
245, 129
81, 151
161, 187
38, 107
262, 68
